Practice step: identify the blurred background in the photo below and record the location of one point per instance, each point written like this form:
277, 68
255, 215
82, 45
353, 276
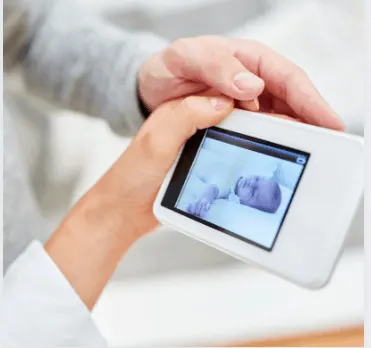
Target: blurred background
170, 289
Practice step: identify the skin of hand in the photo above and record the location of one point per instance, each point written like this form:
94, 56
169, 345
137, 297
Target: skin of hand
260, 193
240, 69
112, 215
202, 204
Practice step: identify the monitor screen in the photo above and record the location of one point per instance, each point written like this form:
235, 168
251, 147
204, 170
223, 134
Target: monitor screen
236, 184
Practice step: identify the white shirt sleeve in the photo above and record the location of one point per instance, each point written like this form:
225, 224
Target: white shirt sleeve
39, 308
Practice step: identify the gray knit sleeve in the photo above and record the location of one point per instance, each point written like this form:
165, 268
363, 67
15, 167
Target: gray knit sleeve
76, 60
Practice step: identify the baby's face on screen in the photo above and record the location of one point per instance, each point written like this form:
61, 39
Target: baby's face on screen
259, 192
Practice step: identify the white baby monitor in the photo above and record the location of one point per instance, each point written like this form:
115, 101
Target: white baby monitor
271, 192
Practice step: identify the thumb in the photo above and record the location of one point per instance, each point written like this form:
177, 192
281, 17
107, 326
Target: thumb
154, 150
137, 175
173, 123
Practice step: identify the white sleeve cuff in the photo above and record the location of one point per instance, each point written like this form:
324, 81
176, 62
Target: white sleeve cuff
39, 308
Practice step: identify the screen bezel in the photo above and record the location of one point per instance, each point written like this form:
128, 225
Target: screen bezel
187, 160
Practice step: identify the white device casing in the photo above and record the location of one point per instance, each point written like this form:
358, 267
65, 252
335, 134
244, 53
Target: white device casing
312, 235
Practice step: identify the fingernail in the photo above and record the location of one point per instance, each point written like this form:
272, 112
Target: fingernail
248, 81
252, 105
256, 102
220, 102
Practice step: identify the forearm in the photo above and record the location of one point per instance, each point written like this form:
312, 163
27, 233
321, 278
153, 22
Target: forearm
92, 239
77, 60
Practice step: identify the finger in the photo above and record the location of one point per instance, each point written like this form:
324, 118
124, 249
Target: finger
155, 70
287, 81
203, 209
250, 105
210, 61
203, 212
156, 146
173, 123
198, 207
194, 208
280, 107
190, 208
268, 103
283, 117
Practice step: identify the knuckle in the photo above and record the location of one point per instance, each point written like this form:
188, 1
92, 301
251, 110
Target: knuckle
187, 103
187, 111
293, 78
219, 56
178, 47
152, 148
148, 146
281, 89
175, 55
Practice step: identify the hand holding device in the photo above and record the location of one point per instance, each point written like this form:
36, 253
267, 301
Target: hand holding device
240, 69
117, 210
266, 191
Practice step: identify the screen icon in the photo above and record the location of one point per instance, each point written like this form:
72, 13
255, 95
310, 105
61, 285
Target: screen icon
300, 160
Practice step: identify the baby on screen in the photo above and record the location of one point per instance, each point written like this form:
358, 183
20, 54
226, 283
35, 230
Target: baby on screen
256, 191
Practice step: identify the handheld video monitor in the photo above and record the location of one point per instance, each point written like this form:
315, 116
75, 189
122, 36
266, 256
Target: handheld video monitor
271, 192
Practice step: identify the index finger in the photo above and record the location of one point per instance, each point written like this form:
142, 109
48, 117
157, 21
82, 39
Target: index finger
289, 82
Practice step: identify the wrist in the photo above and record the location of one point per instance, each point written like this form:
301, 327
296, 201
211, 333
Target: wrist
108, 207
121, 198
89, 244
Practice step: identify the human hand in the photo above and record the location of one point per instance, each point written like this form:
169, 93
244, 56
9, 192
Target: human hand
199, 207
240, 69
129, 188
117, 210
